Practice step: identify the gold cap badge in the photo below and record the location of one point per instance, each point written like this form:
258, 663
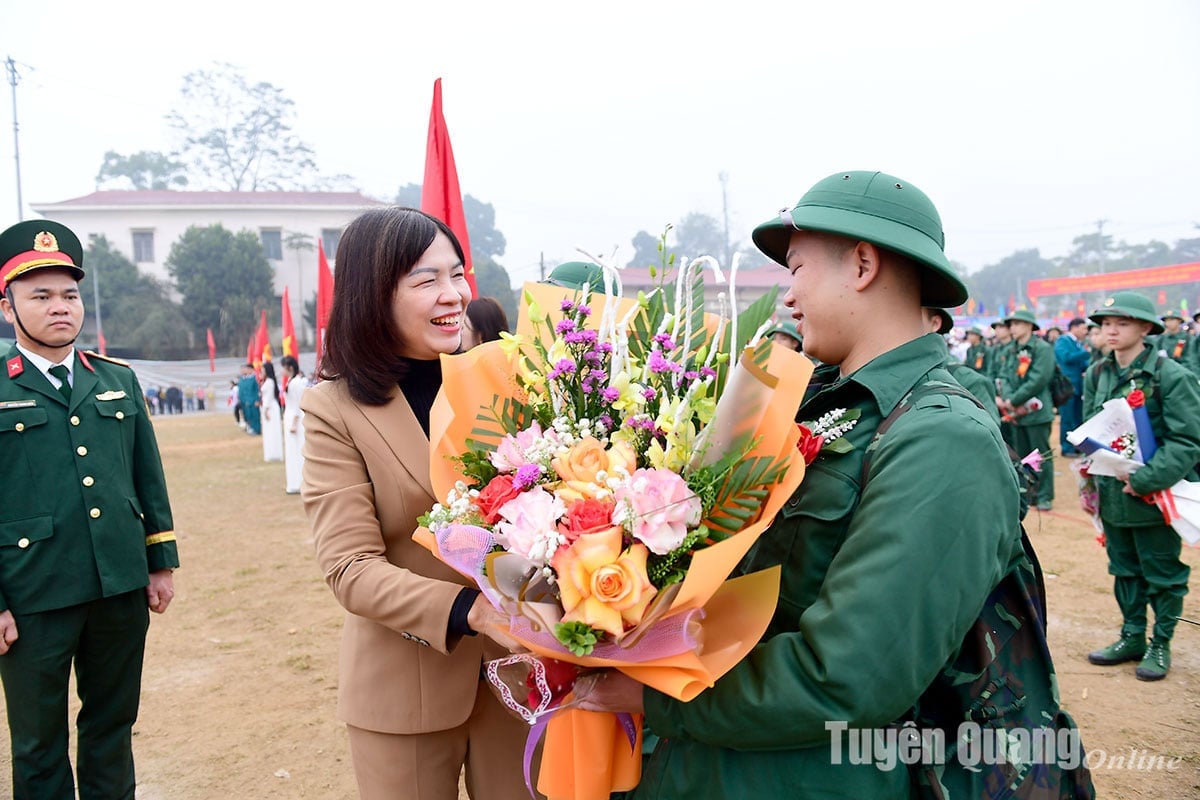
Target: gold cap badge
45, 242
1109, 302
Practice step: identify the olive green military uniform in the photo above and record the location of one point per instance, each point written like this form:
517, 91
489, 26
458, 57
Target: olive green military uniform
978, 358
1143, 551
84, 519
1032, 430
866, 617
1173, 345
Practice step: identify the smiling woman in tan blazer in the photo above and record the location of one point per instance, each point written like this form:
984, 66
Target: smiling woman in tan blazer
409, 684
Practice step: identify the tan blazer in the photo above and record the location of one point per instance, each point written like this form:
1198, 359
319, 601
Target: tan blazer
366, 480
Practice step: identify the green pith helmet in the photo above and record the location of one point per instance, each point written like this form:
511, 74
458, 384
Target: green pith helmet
576, 275
1172, 315
947, 321
786, 327
38, 244
1131, 305
1024, 315
975, 329
878, 208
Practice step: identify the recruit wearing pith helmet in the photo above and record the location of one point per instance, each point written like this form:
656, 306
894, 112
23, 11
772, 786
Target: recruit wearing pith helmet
878, 208
1024, 315
38, 244
1131, 305
576, 275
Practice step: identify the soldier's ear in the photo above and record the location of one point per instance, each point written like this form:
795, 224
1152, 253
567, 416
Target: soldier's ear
6, 308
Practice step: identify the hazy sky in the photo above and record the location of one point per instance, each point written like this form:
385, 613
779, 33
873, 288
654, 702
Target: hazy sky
583, 123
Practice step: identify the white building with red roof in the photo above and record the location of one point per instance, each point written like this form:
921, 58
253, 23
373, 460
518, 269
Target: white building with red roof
144, 224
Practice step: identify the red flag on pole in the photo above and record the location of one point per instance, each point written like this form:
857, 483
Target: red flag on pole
262, 344
102, 343
1080, 307
212, 352
289, 329
440, 195
324, 299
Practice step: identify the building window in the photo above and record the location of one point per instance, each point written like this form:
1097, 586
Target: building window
329, 240
143, 247
272, 242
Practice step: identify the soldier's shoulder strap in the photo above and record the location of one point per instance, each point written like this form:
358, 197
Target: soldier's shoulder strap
109, 359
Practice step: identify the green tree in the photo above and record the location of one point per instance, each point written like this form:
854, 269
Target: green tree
645, 250
136, 314
486, 239
144, 169
995, 283
492, 280
238, 135
225, 280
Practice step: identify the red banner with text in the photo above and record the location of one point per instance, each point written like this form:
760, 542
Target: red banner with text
1111, 281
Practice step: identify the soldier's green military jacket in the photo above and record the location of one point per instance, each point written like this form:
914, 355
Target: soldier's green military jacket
1020, 389
1173, 345
978, 358
879, 586
976, 384
84, 512
997, 358
1173, 400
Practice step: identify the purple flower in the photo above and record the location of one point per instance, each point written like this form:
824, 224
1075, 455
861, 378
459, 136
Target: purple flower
585, 311
564, 367
567, 306
607, 421
664, 341
527, 475
708, 372
565, 326
610, 395
649, 393
691, 374
579, 336
659, 364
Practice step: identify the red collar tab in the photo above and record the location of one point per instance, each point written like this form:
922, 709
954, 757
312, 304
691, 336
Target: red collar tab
84, 360
15, 366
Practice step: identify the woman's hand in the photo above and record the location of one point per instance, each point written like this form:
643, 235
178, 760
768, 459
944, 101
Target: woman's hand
613, 691
485, 619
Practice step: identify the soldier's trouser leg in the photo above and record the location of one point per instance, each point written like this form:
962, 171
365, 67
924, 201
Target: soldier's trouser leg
108, 673
36, 673
1129, 586
1166, 576
1007, 432
1028, 438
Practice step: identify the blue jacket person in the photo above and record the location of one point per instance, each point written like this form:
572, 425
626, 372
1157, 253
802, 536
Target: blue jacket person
86, 540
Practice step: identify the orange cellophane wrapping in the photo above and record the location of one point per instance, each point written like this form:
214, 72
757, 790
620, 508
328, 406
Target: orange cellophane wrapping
586, 755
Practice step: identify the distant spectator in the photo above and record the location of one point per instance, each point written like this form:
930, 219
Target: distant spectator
151, 392
233, 402
200, 398
483, 322
189, 398
174, 400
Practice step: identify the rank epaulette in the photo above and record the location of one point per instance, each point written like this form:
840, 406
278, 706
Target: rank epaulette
109, 359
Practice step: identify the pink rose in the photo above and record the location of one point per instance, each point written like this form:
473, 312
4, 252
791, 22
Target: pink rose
492, 497
529, 525
659, 507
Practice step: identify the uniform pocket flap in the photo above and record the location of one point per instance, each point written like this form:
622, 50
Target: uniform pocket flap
20, 418
22, 532
117, 409
825, 494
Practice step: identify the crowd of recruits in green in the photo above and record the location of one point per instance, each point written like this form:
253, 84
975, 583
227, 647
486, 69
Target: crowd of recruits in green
1162, 359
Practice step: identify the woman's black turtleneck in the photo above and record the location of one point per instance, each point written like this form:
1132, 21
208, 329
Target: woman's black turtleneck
420, 385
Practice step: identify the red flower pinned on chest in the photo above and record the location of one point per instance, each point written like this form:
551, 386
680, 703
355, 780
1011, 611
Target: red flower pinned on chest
1136, 399
809, 444
1023, 362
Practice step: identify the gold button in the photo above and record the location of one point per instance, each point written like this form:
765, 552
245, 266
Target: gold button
120, 415
81, 450
74, 420
94, 513
88, 480
20, 426
23, 543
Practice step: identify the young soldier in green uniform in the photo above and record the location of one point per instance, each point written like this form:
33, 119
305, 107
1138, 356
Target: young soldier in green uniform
1174, 340
977, 353
886, 563
1097, 349
1024, 391
1143, 551
86, 546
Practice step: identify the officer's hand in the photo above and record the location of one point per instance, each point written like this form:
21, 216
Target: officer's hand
486, 620
160, 591
612, 691
8, 631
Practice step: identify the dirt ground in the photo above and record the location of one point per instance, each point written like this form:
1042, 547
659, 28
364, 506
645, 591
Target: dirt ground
239, 687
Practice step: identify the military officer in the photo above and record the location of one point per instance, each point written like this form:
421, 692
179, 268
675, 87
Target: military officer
86, 541
1024, 391
1143, 551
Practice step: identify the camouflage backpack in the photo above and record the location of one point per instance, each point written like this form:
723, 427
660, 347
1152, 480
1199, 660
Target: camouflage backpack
999, 687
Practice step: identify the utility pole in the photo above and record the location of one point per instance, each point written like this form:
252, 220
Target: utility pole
1100, 246
542, 266
11, 67
723, 176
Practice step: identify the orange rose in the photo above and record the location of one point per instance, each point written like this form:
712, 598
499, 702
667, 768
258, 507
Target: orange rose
584, 461
601, 585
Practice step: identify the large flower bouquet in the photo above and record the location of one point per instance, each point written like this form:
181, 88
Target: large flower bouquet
603, 471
